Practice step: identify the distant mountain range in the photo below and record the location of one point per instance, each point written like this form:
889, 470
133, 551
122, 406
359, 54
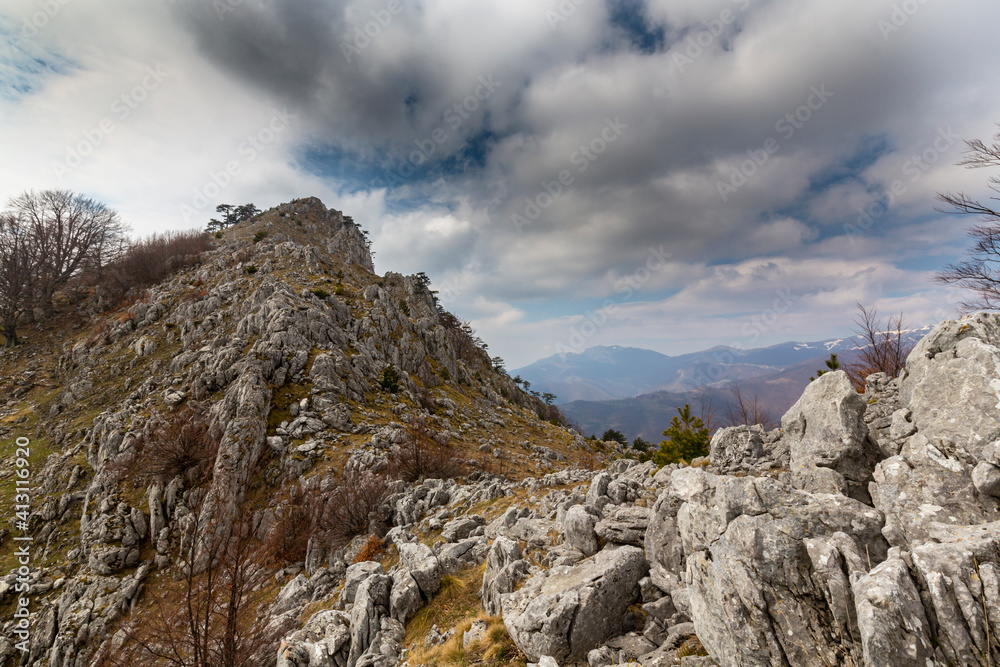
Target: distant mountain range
637, 391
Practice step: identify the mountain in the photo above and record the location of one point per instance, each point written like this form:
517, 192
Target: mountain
270, 408
637, 391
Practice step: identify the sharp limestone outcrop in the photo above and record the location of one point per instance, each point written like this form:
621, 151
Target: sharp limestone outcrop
865, 531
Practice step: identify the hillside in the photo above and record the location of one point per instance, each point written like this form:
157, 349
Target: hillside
307, 369
277, 457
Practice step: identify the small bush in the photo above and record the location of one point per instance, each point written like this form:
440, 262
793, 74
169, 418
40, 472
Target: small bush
352, 508
372, 549
405, 308
259, 236
339, 289
422, 457
182, 443
252, 269
218, 235
146, 262
321, 293
390, 380
687, 439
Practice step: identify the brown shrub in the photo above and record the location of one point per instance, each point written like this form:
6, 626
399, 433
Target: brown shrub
148, 261
882, 346
179, 443
371, 549
422, 457
352, 508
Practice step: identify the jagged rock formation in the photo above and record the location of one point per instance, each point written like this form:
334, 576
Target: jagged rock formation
280, 337
866, 531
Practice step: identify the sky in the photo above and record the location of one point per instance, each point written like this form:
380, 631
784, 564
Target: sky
666, 174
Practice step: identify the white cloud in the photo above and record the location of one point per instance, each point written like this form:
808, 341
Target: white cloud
550, 97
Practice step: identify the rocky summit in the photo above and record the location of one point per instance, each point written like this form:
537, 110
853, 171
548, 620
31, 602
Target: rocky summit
277, 457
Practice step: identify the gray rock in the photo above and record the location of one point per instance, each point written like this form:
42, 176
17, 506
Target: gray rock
356, 574
570, 610
476, 633
737, 448
470, 552
461, 527
504, 570
752, 540
294, 595
423, 566
925, 484
626, 525
324, 640
893, 626
951, 379
578, 527
986, 478
598, 492
663, 541
630, 647
405, 600
831, 450
371, 605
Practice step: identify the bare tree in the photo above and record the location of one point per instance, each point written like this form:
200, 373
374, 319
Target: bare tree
69, 231
747, 410
708, 410
209, 618
981, 271
882, 347
18, 261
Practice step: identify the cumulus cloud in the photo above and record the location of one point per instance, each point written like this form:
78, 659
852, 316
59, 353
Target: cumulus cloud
530, 156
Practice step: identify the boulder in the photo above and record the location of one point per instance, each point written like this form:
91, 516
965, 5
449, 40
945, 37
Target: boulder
356, 574
829, 443
770, 566
578, 528
626, 525
737, 448
566, 612
504, 570
422, 565
461, 527
926, 484
371, 605
404, 600
951, 383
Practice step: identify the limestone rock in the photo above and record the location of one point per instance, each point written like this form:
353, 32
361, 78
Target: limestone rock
578, 527
570, 610
830, 446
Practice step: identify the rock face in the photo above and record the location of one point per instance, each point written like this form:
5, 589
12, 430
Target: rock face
828, 440
865, 532
567, 611
951, 383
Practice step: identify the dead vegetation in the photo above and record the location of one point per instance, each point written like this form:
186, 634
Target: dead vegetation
181, 443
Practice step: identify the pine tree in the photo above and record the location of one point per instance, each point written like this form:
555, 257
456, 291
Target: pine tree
832, 364
687, 439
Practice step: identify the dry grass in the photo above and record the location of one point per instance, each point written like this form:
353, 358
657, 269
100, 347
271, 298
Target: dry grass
457, 606
496, 649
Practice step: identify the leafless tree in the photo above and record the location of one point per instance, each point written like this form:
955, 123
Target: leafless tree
209, 618
981, 271
882, 347
421, 456
747, 410
69, 231
708, 410
18, 261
